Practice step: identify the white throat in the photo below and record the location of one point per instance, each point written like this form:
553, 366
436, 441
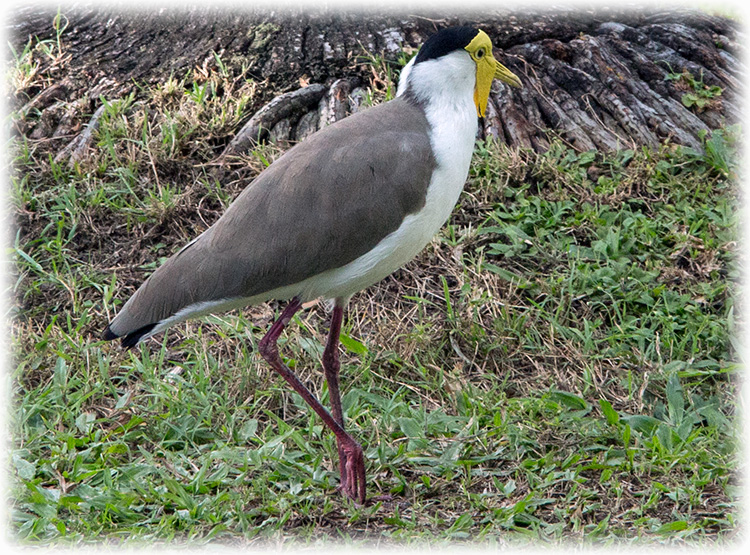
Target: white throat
445, 89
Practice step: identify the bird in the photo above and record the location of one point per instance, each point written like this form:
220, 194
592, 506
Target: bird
336, 213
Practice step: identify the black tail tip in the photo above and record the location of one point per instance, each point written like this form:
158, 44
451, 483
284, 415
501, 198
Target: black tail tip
108, 334
130, 340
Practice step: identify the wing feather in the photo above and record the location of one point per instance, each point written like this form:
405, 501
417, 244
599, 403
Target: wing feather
324, 203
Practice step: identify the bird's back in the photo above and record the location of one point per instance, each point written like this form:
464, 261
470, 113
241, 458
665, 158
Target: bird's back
324, 203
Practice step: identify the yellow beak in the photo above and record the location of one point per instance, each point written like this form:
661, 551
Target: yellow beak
488, 68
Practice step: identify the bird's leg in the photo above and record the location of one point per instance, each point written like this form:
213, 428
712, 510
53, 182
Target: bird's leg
353, 462
331, 366
331, 361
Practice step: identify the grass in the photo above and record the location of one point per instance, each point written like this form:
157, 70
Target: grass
559, 365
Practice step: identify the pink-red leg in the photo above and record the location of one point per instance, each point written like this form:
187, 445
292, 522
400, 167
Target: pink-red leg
331, 362
353, 479
351, 457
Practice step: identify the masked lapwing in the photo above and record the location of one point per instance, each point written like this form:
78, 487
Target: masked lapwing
333, 215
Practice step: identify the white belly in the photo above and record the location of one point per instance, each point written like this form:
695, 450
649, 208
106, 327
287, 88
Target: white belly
394, 250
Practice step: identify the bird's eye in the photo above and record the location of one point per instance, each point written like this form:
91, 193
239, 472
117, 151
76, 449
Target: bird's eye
480, 53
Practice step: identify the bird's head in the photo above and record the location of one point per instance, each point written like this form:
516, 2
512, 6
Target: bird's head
458, 42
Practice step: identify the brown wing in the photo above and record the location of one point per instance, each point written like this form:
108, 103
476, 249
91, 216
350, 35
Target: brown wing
324, 203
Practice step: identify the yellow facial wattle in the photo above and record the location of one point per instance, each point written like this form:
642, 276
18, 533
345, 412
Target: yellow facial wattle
488, 68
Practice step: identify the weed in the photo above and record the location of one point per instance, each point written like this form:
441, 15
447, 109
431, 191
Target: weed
699, 95
384, 76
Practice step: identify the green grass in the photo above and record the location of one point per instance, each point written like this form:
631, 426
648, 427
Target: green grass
558, 365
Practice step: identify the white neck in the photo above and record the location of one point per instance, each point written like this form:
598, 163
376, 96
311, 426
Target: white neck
453, 74
444, 87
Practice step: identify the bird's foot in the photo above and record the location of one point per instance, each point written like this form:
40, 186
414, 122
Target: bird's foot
352, 461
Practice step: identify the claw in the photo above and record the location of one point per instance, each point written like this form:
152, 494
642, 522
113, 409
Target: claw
353, 481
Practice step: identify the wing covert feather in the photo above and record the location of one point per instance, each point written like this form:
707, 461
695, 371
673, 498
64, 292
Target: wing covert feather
324, 203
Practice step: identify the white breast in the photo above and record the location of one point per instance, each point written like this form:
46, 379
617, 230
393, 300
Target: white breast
452, 116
